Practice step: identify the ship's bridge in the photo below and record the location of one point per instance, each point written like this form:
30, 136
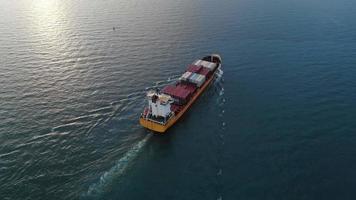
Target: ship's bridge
159, 104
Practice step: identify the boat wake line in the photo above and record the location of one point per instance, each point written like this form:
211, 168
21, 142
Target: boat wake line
109, 177
106, 181
221, 133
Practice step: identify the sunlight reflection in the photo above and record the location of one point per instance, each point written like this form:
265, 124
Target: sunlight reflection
49, 21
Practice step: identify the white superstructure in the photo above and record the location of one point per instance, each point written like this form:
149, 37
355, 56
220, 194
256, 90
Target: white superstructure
159, 104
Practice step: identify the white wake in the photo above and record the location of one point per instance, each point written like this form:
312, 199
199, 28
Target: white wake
109, 177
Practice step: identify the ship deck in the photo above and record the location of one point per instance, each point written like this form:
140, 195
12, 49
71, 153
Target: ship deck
159, 127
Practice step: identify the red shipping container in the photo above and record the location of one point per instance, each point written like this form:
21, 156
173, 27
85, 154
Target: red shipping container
188, 86
204, 71
182, 93
177, 92
169, 89
175, 108
194, 68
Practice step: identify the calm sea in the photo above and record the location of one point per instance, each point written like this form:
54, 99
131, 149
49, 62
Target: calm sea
280, 124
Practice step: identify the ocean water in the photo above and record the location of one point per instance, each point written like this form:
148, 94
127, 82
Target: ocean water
279, 124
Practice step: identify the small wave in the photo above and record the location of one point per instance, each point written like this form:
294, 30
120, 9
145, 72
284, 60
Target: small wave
105, 109
10, 154
107, 179
79, 119
162, 83
221, 93
130, 98
219, 173
173, 78
66, 127
50, 134
97, 123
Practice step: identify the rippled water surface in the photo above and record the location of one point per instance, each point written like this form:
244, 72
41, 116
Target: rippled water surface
280, 124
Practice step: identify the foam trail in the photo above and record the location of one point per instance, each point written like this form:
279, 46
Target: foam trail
99, 188
219, 86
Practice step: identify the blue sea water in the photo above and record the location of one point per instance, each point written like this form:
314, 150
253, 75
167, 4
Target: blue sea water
280, 124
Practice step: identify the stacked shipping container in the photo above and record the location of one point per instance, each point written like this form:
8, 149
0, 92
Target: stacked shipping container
197, 79
194, 68
180, 92
185, 76
194, 77
205, 72
209, 65
198, 72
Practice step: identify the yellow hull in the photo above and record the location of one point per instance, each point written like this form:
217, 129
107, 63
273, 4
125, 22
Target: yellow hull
159, 128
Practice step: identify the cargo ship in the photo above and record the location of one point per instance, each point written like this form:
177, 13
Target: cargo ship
166, 106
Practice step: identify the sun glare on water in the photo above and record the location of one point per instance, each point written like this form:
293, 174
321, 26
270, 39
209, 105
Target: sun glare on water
49, 21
